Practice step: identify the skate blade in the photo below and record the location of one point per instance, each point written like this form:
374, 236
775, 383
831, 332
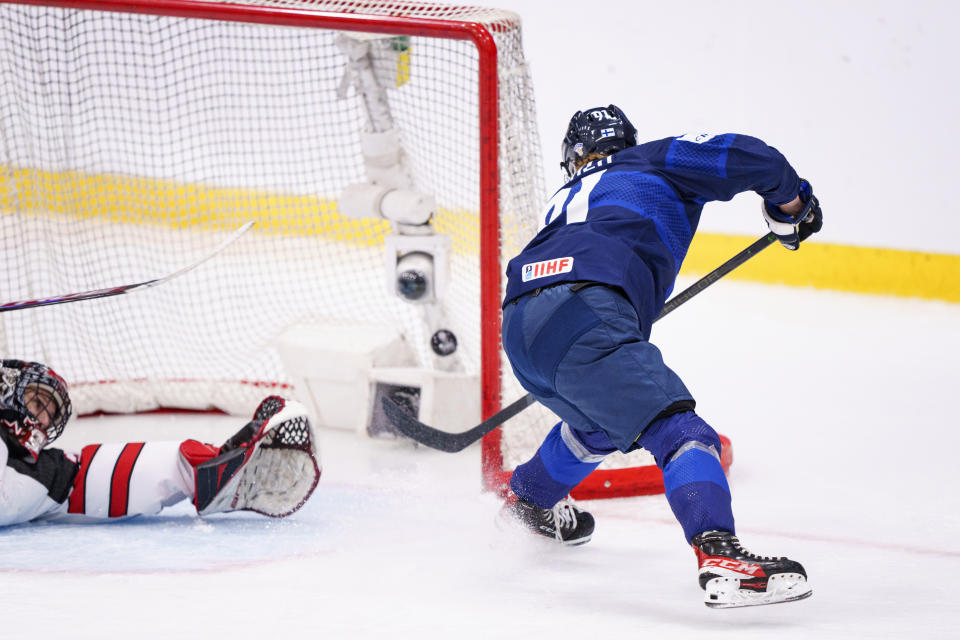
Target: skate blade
725, 593
577, 542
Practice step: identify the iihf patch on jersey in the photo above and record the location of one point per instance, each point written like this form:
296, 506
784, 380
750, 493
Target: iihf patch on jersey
535, 270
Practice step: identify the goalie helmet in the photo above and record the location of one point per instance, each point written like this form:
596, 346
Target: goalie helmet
34, 404
602, 130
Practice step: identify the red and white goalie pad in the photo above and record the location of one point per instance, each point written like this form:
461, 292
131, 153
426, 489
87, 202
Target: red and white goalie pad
271, 466
122, 480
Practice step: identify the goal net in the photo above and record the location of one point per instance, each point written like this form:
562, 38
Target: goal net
135, 135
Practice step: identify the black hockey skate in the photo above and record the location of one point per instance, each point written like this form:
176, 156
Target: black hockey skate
565, 522
734, 577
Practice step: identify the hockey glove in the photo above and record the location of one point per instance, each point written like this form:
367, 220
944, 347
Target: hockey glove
271, 466
792, 230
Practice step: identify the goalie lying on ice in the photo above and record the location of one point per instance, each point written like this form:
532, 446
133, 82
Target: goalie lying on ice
271, 466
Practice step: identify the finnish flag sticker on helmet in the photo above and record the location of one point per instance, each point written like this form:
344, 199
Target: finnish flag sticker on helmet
698, 138
556, 266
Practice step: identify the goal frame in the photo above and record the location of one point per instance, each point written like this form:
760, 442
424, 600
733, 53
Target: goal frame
601, 483
488, 123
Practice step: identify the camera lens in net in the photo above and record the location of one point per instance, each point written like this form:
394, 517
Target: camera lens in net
412, 284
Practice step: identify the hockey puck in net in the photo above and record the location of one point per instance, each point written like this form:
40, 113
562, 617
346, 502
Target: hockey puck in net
443, 342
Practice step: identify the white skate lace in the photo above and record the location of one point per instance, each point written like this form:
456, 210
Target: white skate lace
739, 547
564, 516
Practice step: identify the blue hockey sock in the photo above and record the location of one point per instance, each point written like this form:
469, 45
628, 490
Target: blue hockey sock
563, 460
687, 449
698, 492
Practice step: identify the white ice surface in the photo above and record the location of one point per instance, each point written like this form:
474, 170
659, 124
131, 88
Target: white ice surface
841, 410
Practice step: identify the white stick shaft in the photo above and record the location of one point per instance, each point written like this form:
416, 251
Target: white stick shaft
126, 288
179, 272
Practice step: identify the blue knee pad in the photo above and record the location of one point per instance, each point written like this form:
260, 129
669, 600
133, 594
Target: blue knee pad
564, 459
665, 436
687, 449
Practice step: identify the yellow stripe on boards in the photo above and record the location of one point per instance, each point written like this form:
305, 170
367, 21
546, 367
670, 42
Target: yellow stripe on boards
179, 205
833, 266
403, 68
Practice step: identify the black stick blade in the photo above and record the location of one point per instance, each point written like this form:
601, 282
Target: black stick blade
444, 440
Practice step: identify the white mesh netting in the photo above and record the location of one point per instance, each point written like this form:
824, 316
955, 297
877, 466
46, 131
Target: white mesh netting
130, 144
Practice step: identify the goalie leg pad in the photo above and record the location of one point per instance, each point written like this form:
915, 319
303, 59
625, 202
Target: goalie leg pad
123, 480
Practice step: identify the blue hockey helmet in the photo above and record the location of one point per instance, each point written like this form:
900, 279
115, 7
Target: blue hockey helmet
602, 130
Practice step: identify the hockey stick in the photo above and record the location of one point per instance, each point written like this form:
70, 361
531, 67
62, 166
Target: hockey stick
453, 442
127, 288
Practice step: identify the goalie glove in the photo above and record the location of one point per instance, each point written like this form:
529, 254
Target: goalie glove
792, 230
271, 466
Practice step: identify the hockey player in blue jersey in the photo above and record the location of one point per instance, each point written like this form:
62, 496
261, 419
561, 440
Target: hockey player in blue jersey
581, 298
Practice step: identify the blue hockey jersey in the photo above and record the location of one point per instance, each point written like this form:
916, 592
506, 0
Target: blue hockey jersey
627, 220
